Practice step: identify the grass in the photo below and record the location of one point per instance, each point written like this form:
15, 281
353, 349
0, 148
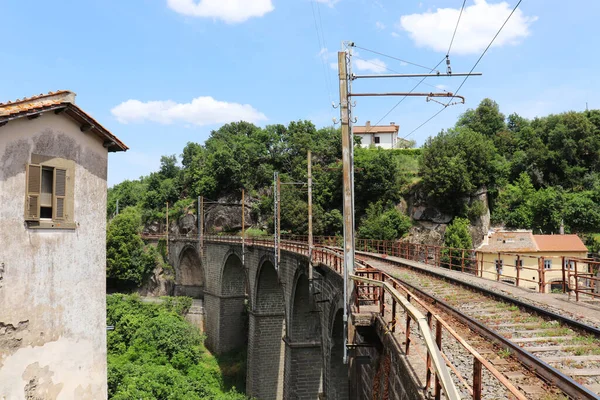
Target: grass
560, 331
504, 353
233, 369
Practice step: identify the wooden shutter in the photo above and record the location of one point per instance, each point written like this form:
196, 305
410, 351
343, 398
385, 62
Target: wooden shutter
60, 191
34, 188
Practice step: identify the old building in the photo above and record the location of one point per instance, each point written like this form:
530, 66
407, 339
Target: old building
533, 259
53, 166
384, 136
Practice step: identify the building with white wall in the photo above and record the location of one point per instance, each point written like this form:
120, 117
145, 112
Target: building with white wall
53, 167
384, 136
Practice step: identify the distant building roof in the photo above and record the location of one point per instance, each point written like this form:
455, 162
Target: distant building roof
392, 128
521, 241
62, 101
559, 243
508, 241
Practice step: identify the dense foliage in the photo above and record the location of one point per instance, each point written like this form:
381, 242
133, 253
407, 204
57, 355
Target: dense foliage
243, 156
383, 223
539, 173
128, 259
153, 353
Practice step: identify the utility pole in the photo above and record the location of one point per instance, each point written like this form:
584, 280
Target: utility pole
201, 225
243, 232
276, 215
348, 193
117, 207
346, 77
167, 229
310, 227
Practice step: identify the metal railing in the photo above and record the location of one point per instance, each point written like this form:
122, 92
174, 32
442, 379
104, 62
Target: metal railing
443, 380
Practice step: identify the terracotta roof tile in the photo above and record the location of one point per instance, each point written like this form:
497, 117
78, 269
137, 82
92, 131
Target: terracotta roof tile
62, 99
559, 243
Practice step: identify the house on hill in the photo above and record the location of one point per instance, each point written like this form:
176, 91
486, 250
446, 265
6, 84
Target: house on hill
53, 167
384, 136
528, 260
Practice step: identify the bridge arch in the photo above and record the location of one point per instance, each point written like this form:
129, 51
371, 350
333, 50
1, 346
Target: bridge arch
304, 349
225, 305
190, 275
266, 349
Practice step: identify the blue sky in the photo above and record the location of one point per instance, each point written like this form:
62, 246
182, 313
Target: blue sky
161, 73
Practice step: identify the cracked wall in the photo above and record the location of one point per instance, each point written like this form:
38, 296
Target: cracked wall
52, 282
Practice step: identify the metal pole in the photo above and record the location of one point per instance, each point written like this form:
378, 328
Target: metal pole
413, 75
117, 206
201, 225
310, 229
243, 232
348, 192
278, 218
275, 219
167, 229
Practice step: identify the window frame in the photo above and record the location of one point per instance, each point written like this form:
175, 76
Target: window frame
376, 140
547, 263
62, 203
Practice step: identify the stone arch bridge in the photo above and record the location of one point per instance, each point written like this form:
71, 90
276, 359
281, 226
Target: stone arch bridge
294, 339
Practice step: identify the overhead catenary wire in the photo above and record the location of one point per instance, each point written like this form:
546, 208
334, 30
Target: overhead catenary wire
393, 58
322, 46
404, 98
472, 69
456, 27
397, 72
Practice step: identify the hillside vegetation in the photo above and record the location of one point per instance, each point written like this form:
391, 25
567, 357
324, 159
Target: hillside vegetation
153, 353
538, 174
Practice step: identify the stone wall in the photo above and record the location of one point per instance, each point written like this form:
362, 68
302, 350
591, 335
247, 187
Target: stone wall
52, 292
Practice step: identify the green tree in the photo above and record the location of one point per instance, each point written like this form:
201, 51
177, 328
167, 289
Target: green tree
455, 164
547, 206
458, 238
514, 204
383, 223
128, 260
485, 119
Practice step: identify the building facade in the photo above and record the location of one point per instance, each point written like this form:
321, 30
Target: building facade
384, 136
53, 169
533, 260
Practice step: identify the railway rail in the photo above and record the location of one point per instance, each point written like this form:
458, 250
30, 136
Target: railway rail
564, 352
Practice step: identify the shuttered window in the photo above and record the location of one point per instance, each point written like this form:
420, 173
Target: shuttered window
34, 189
50, 193
60, 189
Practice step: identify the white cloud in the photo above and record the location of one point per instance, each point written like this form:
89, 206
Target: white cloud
230, 11
200, 111
394, 34
329, 3
374, 65
379, 25
478, 25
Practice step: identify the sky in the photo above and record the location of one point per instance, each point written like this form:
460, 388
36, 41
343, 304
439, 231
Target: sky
162, 73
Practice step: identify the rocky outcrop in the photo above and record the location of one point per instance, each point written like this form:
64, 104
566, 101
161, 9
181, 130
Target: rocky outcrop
429, 222
160, 283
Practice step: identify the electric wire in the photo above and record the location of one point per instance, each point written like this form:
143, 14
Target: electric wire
393, 58
404, 98
322, 48
456, 27
472, 69
397, 72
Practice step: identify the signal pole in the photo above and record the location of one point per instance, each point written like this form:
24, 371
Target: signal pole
348, 192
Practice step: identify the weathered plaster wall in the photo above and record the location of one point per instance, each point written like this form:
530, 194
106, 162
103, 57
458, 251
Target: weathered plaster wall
52, 287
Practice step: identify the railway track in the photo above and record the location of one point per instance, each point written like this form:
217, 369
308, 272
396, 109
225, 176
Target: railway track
561, 351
